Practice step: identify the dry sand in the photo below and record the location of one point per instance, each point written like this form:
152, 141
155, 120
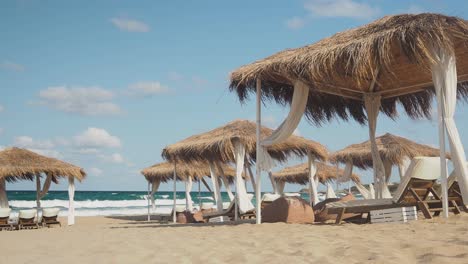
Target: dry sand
125, 240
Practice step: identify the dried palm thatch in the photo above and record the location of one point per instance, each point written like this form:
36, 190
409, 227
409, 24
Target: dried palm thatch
218, 145
195, 170
22, 164
391, 148
300, 174
394, 51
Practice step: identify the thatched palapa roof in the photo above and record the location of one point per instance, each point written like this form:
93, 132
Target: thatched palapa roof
300, 174
391, 148
217, 145
22, 164
195, 170
340, 69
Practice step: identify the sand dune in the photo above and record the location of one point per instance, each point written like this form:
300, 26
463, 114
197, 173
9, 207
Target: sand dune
111, 240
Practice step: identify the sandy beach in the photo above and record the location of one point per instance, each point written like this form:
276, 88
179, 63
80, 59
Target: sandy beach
129, 240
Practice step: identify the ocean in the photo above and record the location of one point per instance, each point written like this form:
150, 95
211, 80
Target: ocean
106, 203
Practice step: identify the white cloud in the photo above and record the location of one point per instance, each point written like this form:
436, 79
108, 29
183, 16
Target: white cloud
97, 138
415, 9
341, 8
95, 171
130, 25
175, 76
147, 88
11, 66
81, 100
295, 23
52, 153
297, 132
86, 151
197, 80
29, 142
114, 158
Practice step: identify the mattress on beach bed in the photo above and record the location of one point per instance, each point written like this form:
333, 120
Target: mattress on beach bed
358, 206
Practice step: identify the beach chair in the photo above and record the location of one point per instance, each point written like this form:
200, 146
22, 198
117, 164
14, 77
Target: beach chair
414, 190
230, 212
454, 193
49, 217
26, 219
5, 218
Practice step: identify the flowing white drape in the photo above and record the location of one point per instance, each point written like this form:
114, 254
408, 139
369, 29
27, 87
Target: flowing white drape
3, 194
216, 190
244, 203
372, 191
330, 192
273, 183
188, 196
41, 193
348, 172
280, 187
444, 76
286, 129
71, 202
154, 188
403, 166
372, 103
313, 193
225, 181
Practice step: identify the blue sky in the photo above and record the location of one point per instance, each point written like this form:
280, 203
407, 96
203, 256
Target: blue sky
107, 84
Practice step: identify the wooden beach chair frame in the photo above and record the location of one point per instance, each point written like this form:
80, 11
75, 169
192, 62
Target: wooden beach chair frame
230, 212
415, 192
4, 225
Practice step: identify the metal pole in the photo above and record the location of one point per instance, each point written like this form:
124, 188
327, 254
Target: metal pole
257, 165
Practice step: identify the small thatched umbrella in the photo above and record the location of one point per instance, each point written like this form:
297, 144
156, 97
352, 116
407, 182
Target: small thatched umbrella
299, 174
403, 59
21, 164
236, 142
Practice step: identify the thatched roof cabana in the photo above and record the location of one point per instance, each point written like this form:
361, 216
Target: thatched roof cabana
196, 170
393, 149
218, 145
390, 56
22, 164
300, 174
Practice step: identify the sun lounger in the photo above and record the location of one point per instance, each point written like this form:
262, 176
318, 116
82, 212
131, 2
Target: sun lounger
5, 218
414, 190
49, 217
26, 219
454, 193
229, 212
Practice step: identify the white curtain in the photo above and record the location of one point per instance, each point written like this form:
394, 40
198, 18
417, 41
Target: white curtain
444, 76
272, 180
313, 193
403, 166
188, 197
372, 104
41, 193
216, 190
225, 181
286, 129
154, 188
348, 172
330, 192
71, 197
243, 201
372, 191
3, 194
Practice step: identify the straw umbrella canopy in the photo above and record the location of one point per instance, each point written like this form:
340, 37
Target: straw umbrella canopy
217, 145
299, 174
401, 59
393, 149
22, 164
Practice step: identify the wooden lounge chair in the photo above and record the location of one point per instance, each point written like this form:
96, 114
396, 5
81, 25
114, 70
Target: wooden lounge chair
49, 217
414, 190
454, 193
26, 219
5, 218
230, 212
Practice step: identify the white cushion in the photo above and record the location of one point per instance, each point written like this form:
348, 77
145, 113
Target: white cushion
180, 209
50, 212
27, 214
270, 197
5, 212
206, 206
292, 194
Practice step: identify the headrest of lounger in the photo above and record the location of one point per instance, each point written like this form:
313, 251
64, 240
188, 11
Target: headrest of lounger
50, 212
424, 168
270, 197
27, 214
453, 177
206, 206
5, 212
